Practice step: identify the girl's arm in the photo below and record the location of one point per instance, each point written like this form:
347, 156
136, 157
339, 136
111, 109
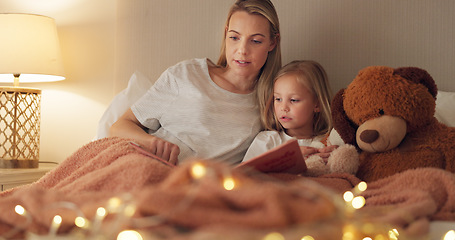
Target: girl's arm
127, 126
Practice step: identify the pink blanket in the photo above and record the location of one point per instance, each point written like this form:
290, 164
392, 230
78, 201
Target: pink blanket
172, 202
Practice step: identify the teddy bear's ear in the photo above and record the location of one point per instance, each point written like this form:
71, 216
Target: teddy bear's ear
345, 128
419, 76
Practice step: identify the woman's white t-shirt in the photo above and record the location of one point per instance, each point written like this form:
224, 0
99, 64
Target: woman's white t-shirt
267, 140
187, 108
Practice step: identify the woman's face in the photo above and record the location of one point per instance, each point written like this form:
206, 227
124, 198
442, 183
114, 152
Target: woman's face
248, 42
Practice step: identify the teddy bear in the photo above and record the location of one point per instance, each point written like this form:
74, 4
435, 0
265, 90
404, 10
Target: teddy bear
388, 114
344, 159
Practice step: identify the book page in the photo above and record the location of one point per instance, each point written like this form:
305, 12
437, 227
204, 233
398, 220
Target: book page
286, 158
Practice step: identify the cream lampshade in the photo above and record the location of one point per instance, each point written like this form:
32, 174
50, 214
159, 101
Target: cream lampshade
30, 52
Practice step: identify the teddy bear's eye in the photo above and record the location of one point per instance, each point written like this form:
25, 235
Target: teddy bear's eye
381, 112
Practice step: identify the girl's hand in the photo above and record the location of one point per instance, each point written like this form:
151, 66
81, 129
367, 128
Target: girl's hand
308, 151
325, 152
163, 149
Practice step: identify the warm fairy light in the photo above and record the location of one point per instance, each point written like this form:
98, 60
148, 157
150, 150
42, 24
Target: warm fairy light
358, 202
393, 234
367, 238
130, 209
99, 217
20, 210
362, 186
113, 204
350, 232
81, 222
274, 236
348, 196
348, 235
450, 235
57, 220
368, 228
229, 183
129, 235
307, 238
198, 171
381, 237
101, 212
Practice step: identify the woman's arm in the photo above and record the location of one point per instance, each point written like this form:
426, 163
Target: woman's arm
127, 126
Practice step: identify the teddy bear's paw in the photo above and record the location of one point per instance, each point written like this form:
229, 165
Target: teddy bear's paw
315, 166
344, 159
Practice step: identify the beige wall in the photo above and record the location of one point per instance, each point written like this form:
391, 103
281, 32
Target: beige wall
70, 109
343, 35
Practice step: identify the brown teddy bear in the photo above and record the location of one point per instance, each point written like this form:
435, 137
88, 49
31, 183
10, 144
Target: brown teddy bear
389, 115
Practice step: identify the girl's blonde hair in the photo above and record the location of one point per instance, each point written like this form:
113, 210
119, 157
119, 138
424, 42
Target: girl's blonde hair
313, 76
264, 8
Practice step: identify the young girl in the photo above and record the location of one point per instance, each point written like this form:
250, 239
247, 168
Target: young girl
299, 108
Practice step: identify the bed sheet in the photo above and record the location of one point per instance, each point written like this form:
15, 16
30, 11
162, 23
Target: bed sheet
180, 203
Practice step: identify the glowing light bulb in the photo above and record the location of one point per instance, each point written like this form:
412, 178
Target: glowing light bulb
57, 219
113, 204
358, 202
307, 238
198, 171
101, 212
130, 209
450, 235
348, 196
362, 186
348, 236
229, 183
129, 235
81, 222
20, 210
393, 234
274, 236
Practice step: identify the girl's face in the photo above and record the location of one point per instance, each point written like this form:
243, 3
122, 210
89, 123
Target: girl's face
247, 43
294, 106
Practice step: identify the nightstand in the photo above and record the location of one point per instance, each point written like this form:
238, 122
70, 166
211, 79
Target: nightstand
10, 178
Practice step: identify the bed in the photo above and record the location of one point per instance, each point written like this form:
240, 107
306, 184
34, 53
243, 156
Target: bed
109, 189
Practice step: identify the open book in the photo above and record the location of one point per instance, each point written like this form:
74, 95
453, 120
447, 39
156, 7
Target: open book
283, 158
286, 158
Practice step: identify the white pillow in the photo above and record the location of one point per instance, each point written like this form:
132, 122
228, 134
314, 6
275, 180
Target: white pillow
137, 87
445, 108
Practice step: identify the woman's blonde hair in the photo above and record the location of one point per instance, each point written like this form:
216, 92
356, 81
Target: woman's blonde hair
266, 9
313, 76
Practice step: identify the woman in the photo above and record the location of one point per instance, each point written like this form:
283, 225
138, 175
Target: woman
199, 109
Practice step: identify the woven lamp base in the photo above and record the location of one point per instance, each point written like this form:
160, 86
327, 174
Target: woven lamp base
19, 127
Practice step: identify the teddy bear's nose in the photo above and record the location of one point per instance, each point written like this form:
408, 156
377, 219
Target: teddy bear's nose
369, 136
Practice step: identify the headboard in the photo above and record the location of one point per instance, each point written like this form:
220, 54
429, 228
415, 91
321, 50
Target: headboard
344, 35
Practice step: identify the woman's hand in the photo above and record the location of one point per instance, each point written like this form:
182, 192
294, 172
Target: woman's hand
127, 126
163, 149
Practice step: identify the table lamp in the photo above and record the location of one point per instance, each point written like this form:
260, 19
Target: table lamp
29, 52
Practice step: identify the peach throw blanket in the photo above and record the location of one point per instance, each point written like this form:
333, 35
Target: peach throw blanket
172, 202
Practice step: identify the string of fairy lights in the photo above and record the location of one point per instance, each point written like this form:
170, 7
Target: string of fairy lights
122, 208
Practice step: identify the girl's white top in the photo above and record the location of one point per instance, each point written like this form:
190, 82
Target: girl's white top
187, 108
